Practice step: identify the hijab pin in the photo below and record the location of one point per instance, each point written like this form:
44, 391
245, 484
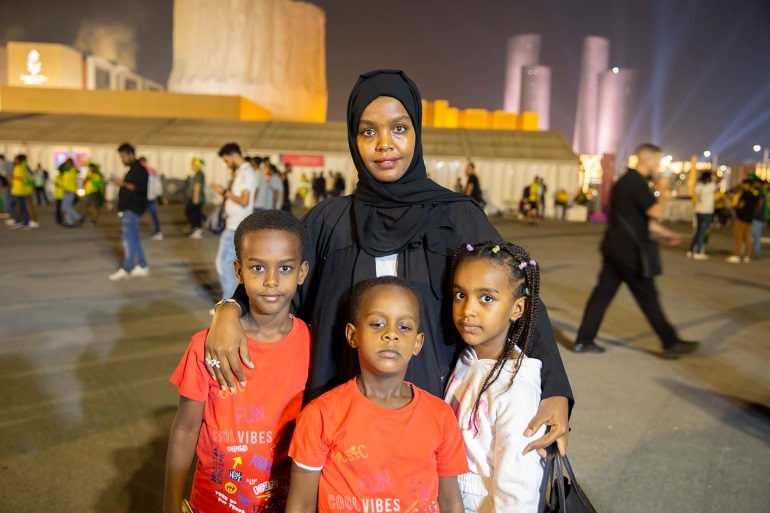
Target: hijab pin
495, 249
469, 247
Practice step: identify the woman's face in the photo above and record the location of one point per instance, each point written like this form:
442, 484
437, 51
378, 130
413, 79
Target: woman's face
385, 139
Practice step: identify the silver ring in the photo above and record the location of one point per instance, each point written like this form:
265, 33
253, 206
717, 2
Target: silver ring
212, 362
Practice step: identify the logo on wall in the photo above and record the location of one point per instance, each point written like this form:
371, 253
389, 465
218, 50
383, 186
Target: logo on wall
34, 66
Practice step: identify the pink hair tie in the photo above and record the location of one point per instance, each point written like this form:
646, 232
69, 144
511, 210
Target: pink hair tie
469, 247
522, 265
532, 262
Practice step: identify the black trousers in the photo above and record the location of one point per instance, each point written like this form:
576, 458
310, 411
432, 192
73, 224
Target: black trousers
194, 214
611, 276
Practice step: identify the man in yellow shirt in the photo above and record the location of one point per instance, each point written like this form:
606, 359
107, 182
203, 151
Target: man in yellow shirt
70, 185
21, 188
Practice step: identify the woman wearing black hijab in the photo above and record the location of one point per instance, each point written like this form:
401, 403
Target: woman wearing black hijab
396, 222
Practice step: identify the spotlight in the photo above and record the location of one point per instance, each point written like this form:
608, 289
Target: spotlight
707, 154
757, 147
615, 69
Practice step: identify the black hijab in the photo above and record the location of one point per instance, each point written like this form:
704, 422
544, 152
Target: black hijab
388, 216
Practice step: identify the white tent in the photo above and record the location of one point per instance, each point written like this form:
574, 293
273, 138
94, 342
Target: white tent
506, 161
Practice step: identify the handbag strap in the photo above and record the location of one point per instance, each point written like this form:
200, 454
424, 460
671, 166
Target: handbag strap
628, 228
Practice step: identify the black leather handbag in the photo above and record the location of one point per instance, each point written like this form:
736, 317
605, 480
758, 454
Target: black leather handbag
559, 491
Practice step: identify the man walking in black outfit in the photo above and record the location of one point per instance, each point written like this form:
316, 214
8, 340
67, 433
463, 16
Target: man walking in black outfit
633, 215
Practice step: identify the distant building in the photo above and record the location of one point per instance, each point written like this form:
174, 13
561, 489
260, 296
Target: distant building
523, 50
536, 93
596, 58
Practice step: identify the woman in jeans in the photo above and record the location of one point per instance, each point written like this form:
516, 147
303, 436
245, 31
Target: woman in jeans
704, 213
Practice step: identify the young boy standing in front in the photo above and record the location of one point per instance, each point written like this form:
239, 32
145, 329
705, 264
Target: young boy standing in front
241, 436
377, 443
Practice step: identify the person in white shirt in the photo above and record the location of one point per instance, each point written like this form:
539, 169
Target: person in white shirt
238, 204
495, 386
704, 213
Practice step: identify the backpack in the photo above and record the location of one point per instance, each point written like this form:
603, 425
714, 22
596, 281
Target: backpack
215, 221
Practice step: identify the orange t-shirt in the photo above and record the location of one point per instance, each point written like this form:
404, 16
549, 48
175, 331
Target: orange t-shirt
244, 439
377, 460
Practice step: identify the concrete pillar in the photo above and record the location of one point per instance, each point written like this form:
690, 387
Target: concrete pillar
523, 50
596, 58
536, 93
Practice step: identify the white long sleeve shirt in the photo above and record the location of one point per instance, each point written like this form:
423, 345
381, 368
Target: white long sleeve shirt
498, 469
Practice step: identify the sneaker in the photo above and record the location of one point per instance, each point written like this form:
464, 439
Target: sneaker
19, 226
680, 348
120, 274
746, 260
588, 348
34, 224
197, 234
700, 256
732, 259
10, 222
140, 272
157, 236
689, 254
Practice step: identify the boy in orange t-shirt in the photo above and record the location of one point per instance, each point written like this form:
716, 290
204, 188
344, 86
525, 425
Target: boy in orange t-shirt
377, 443
241, 436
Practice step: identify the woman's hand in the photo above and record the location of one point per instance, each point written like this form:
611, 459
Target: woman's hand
226, 343
554, 412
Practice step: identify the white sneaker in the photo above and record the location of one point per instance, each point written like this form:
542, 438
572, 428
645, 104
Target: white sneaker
18, 226
10, 222
140, 272
157, 236
689, 254
119, 275
197, 234
746, 260
700, 256
732, 259
34, 224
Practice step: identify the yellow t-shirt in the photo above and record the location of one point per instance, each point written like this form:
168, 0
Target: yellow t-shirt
70, 182
58, 186
23, 182
533, 192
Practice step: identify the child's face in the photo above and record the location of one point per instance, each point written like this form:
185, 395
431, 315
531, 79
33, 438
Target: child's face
386, 139
483, 305
386, 332
270, 267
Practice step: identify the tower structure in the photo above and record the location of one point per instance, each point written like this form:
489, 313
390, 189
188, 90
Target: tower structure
523, 50
616, 100
272, 52
536, 93
596, 57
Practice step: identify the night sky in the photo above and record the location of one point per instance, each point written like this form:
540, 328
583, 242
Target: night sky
703, 65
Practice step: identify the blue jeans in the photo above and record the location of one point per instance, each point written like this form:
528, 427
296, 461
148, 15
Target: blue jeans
757, 229
703, 221
154, 215
71, 216
132, 245
225, 259
22, 216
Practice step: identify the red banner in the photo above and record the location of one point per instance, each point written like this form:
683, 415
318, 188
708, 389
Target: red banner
303, 160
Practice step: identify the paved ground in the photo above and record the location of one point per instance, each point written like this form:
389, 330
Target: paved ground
85, 406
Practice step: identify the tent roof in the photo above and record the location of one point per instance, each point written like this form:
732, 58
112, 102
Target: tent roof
329, 137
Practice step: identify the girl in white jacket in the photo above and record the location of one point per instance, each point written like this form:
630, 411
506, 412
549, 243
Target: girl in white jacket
495, 386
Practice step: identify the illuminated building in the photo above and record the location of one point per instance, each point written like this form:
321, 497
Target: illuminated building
596, 56
536, 93
523, 50
616, 95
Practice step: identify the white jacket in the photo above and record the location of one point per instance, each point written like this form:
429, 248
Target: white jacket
497, 466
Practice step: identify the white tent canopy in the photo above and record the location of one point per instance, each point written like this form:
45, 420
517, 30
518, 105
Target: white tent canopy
506, 161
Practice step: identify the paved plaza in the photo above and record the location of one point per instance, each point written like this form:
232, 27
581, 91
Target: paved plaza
85, 403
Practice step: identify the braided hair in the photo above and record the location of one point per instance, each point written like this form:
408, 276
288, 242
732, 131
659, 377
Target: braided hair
524, 279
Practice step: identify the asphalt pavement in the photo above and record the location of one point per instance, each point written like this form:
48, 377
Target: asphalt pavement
85, 403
